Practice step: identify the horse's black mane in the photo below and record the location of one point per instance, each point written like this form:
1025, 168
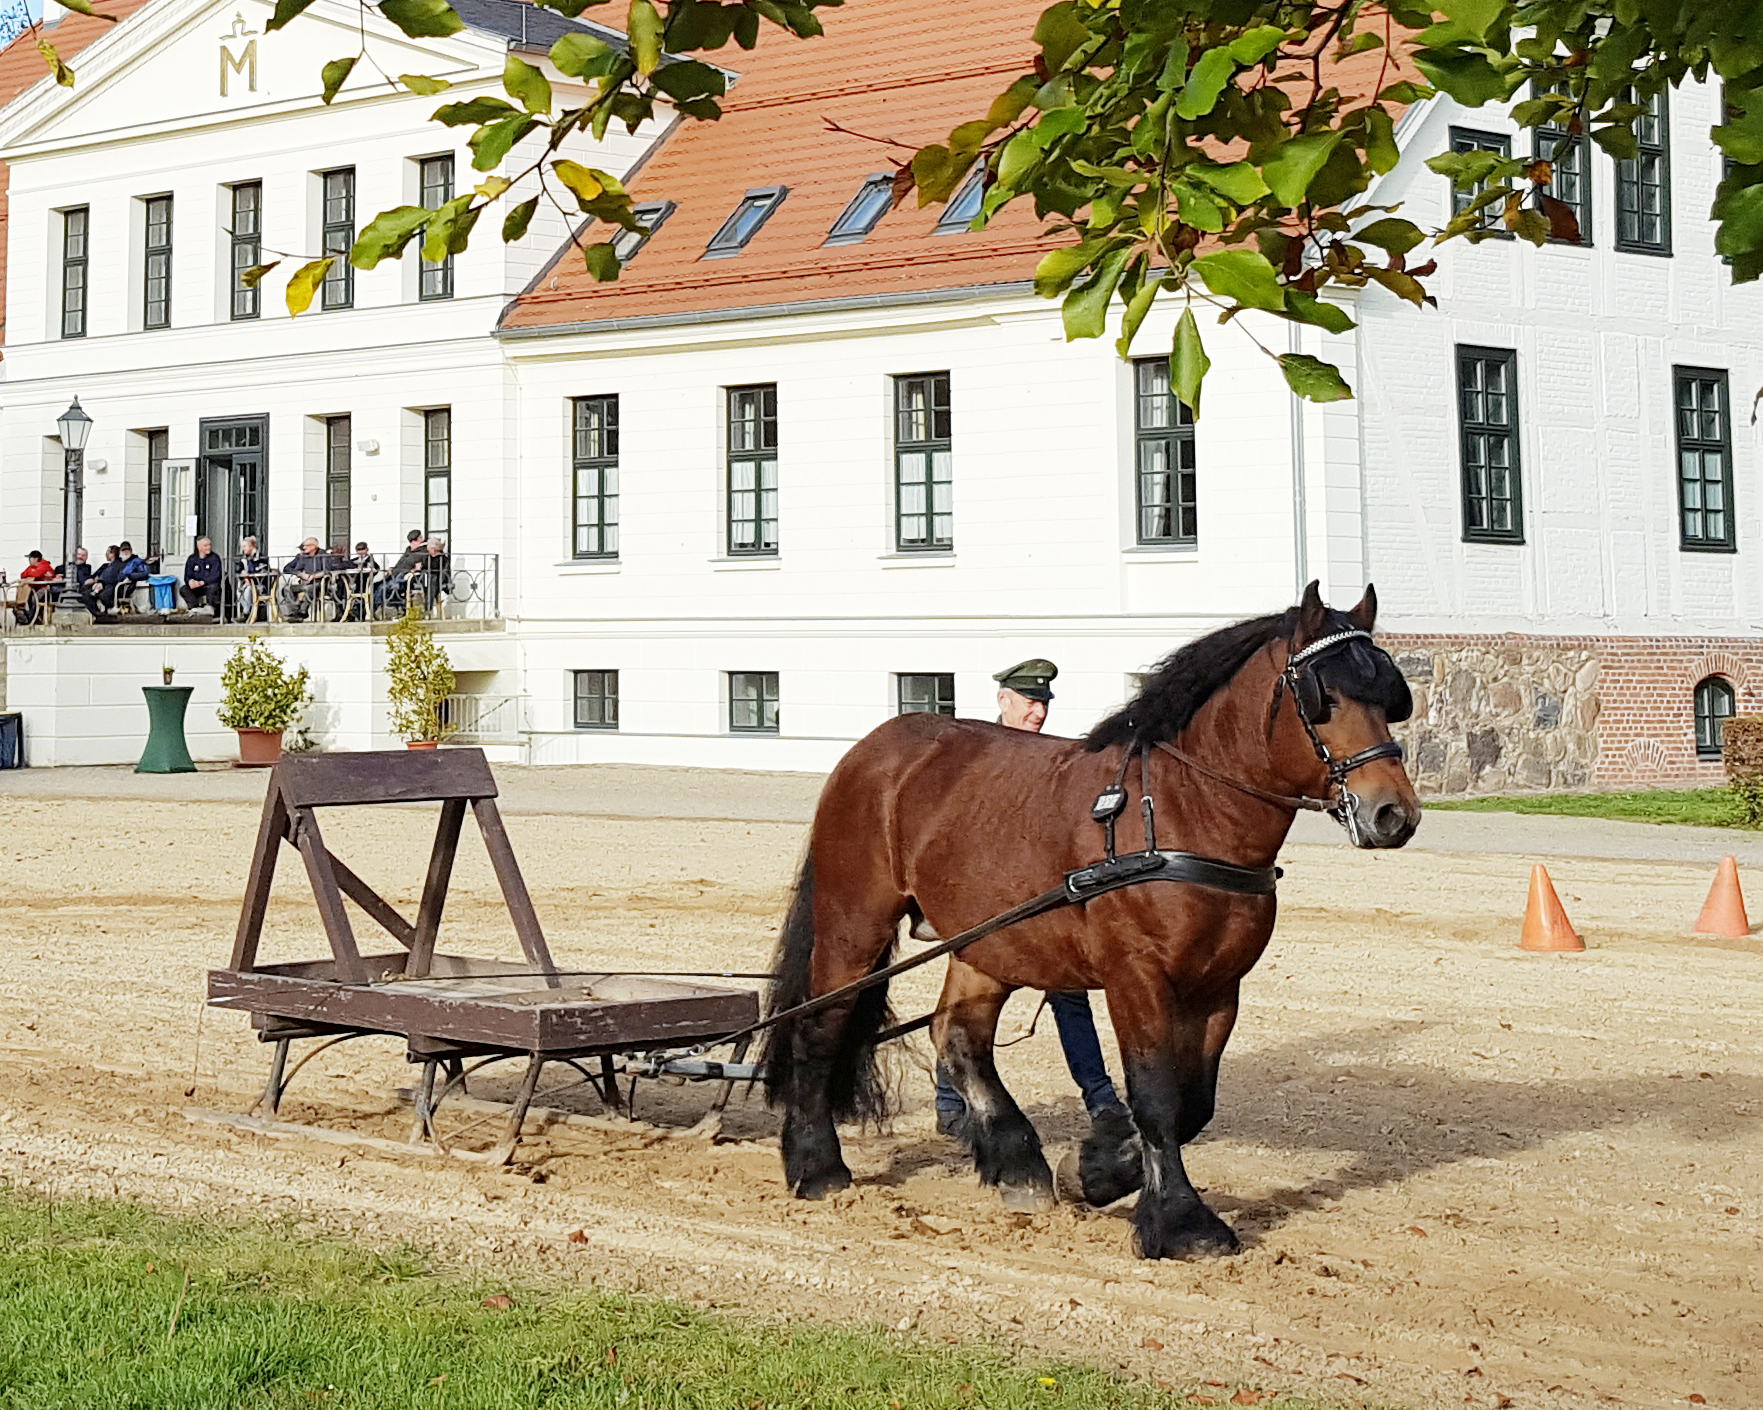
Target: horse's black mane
1187, 678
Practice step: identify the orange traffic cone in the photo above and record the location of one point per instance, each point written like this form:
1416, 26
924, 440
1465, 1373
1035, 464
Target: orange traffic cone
1546, 926
1723, 913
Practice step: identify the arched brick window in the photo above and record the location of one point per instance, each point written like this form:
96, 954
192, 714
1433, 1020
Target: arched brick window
1714, 707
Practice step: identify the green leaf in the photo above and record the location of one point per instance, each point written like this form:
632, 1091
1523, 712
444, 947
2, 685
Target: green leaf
515, 223
689, 79
1476, 16
1741, 221
1136, 309
1188, 362
438, 233
1085, 309
305, 283
1243, 276
1313, 379
1255, 45
1307, 308
1381, 151
387, 234
1059, 267
1293, 166
645, 29
1239, 181
334, 74
1205, 83
1198, 209
285, 10
1404, 285
473, 111
1404, 90
423, 19
1530, 225
526, 85
602, 262
1018, 156
253, 276
1618, 54
587, 183
423, 84
1060, 33
582, 56
938, 171
1470, 78
1392, 233
492, 143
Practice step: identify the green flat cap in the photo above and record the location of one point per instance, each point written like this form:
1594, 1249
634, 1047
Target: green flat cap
1029, 678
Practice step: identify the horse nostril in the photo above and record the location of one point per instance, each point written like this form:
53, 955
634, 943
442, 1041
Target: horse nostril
1389, 819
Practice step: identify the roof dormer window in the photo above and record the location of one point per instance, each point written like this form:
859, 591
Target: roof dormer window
651, 215
864, 213
754, 210
963, 206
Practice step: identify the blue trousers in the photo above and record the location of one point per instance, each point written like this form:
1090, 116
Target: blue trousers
1083, 1057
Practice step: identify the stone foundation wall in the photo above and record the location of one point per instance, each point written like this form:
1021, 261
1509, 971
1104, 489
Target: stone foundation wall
1495, 714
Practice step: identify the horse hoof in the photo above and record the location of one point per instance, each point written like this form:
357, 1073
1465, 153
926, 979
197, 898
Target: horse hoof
1068, 1182
1026, 1199
1201, 1235
829, 1182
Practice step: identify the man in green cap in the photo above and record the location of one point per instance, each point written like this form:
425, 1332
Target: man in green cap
1024, 692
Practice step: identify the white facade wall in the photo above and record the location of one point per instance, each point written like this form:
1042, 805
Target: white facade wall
1597, 332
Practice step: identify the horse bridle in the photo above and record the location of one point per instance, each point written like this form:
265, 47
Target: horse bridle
1342, 807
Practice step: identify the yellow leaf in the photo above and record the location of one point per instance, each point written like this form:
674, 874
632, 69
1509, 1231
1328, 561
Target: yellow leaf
493, 186
63, 74
304, 284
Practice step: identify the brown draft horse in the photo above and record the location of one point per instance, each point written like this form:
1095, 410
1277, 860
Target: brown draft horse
956, 821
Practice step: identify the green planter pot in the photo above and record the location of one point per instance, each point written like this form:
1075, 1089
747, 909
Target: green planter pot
166, 752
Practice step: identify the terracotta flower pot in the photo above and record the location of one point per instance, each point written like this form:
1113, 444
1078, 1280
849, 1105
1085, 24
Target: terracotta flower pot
422, 744
259, 748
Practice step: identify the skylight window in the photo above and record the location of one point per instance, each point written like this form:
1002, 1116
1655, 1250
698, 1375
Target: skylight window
754, 210
963, 206
864, 213
651, 215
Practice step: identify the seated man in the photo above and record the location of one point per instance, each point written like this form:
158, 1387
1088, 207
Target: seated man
303, 580
98, 592
432, 574
133, 573
390, 593
356, 578
27, 601
202, 571
253, 576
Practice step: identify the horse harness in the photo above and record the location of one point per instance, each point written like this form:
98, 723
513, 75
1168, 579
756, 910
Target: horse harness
1115, 872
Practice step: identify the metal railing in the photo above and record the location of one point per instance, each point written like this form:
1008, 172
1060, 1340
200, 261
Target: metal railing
482, 719
459, 587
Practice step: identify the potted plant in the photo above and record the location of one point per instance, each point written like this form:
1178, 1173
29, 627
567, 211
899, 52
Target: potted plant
420, 678
260, 698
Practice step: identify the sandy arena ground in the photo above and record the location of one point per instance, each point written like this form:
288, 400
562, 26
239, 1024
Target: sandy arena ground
1462, 1174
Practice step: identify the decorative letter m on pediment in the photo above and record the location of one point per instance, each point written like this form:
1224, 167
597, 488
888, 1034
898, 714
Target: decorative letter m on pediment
244, 63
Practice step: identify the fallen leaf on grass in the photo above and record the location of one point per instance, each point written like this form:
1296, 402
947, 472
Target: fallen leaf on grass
438, 1379
578, 1236
1698, 1399
1151, 1344
1730, 1209
498, 1302
1417, 1231
1246, 1397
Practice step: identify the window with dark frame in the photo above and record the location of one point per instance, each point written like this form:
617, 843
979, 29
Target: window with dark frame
339, 237
867, 207
651, 215
246, 235
924, 490
76, 231
158, 450
156, 264
338, 465
752, 469
743, 224
925, 694
1487, 409
435, 279
752, 702
1715, 705
596, 699
1163, 425
437, 471
1464, 139
963, 206
1704, 460
1643, 182
596, 477
1570, 172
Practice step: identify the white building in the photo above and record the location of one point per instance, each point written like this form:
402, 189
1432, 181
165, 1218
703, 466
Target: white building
782, 330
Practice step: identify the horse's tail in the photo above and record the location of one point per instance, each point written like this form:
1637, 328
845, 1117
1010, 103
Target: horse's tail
856, 1090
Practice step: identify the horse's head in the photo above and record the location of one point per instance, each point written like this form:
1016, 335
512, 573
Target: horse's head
1348, 692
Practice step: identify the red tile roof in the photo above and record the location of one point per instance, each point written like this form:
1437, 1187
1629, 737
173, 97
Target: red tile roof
21, 66
895, 69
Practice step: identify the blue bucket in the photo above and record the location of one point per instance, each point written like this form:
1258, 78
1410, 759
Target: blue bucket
164, 587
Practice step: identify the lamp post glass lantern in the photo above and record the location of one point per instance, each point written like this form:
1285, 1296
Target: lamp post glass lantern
75, 427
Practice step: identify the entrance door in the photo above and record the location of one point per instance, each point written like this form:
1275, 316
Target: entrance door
231, 480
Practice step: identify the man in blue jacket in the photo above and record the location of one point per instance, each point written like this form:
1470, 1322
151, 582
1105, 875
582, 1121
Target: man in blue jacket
202, 574
98, 592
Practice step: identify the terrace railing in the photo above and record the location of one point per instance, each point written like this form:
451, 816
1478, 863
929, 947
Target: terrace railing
482, 719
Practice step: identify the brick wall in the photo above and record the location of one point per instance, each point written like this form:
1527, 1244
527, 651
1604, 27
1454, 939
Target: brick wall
1495, 713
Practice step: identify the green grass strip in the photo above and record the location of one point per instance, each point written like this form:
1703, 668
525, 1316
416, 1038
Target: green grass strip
117, 1307
1698, 807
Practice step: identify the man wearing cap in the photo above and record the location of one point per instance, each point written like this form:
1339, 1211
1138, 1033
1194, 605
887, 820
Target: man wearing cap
1024, 693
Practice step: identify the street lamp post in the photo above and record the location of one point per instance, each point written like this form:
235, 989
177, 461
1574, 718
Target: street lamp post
75, 428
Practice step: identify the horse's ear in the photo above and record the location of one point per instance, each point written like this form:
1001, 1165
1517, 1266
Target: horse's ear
1312, 614
1364, 615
